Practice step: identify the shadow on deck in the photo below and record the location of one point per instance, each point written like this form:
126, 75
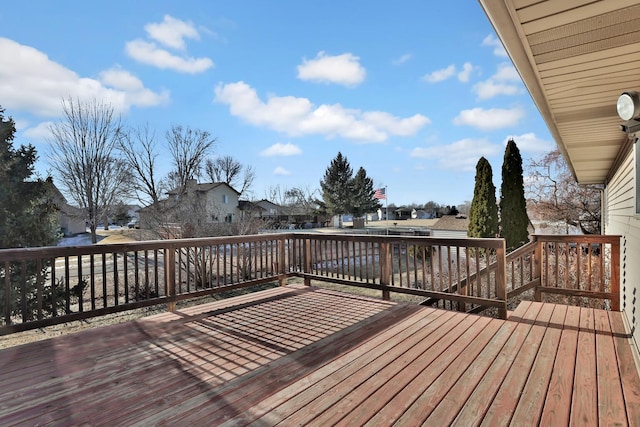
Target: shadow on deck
305, 356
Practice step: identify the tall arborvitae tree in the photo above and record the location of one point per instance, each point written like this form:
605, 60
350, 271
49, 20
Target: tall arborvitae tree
513, 206
483, 215
337, 186
362, 198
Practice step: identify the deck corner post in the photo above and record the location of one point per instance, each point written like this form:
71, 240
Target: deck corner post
170, 276
501, 278
615, 274
385, 269
537, 269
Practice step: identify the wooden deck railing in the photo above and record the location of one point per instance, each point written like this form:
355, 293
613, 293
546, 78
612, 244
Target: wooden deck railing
45, 286
447, 270
53, 285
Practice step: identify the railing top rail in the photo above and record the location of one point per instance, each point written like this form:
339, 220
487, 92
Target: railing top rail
524, 249
578, 238
20, 254
488, 243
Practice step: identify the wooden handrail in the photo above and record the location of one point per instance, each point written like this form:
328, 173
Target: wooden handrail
453, 273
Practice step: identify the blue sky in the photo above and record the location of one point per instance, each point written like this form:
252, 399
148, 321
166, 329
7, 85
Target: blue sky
415, 92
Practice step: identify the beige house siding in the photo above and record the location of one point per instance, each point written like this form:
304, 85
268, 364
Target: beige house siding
620, 219
223, 204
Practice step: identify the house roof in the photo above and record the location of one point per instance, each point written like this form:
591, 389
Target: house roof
576, 58
246, 205
205, 187
452, 223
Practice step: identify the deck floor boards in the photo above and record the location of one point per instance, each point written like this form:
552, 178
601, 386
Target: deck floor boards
298, 355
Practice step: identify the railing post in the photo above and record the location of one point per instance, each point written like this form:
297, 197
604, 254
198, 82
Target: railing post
615, 275
501, 278
307, 261
282, 279
7, 291
385, 268
170, 276
537, 269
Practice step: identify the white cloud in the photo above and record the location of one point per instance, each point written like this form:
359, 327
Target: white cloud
32, 82
506, 72
529, 142
299, 116
490, 88
404, 58
150, 54
446, 73
133, 88
280, 149
461, 155
342, 69
465, 74
281, 171
498, 49
506, 81
491, 119
171, 32
41, 132
440, 75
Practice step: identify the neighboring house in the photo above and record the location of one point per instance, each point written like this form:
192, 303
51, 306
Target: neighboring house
220, 200
203, 203
250, 209
576, 58
450, 227
270, 210
403, 213
420, 214
71, 218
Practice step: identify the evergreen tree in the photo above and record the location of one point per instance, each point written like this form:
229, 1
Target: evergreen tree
26, 210
337, 186
362, 198
27, 219
513, 206
343, 193
483, 215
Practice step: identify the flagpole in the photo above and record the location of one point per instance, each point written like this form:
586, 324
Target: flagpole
386, 207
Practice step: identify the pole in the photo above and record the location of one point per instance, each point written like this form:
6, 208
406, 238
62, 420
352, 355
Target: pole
386, 207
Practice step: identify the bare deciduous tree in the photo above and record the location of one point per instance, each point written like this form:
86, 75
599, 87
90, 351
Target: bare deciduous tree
229, 170
139, 149
188, 148
554, 195
82, 148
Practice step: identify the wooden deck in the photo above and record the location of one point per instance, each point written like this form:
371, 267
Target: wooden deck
305, 356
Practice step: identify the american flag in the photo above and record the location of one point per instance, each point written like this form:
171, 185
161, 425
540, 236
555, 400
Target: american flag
380, 193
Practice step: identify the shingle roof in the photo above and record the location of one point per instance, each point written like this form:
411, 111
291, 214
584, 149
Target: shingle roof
452, 223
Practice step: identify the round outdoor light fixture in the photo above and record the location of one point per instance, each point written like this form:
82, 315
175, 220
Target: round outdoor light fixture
628, 105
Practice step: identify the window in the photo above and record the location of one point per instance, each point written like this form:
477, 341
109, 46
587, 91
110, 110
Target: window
225, 199
228, 218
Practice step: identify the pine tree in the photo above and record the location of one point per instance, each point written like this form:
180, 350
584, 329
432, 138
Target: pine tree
25, 206
483, 215
27, 219
513, 206
337, 186
362, 197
